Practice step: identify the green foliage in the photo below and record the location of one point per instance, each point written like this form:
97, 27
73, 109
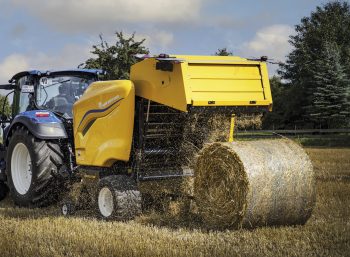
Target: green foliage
116, 59
318, 69
223, 52
285, 97
7, 109
328, 102
276, 118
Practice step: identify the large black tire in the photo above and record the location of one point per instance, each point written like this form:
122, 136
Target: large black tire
3, 190
125, 198
46, 159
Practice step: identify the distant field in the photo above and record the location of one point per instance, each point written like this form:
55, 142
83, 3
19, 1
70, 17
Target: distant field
43, 232
308, 140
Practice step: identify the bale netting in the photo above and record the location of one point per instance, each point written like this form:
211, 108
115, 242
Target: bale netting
254, 183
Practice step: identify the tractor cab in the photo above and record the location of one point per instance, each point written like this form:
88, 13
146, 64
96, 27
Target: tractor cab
54, 91
38, 131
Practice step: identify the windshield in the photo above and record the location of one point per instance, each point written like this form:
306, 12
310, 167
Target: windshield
58, 93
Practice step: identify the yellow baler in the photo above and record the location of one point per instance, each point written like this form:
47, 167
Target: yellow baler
166, 90
148, 131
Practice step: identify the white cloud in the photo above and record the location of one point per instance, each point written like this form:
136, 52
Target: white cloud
157, 40
271, 41
70, 56
12, 64
90, 15
163, 39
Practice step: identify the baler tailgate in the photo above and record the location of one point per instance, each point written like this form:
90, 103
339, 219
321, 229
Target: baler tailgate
187, 81
225, 82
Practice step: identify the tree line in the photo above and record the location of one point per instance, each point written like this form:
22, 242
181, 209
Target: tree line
313, 86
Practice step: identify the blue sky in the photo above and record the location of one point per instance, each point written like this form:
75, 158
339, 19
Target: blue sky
59, 33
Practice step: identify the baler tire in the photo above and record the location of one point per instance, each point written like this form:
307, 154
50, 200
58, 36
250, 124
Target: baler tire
3, 190
46, 159
68, 208
125, 197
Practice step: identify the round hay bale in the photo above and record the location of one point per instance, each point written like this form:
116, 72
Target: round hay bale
254, 183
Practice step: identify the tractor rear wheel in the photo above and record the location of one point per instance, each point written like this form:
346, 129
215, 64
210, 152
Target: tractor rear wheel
31, 165
118, 198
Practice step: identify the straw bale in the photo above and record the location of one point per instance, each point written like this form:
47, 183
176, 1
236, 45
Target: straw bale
254, 183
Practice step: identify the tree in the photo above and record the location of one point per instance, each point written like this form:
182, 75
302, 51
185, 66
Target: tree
7, 107
329, 103
223, 52
116, 59
330, 23
278, 118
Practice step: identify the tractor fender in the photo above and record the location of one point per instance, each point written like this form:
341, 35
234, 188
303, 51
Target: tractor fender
49, 127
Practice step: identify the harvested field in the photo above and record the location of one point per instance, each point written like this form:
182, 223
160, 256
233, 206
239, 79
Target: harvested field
42, 232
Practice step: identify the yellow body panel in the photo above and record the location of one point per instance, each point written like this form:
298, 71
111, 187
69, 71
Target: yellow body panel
159, 86
103, 123
204, 81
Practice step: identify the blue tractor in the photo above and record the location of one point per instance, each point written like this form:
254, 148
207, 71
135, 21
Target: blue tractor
36, 150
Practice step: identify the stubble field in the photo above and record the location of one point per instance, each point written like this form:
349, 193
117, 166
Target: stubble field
43, 232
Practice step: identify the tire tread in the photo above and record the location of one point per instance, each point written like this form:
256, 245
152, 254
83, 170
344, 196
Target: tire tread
127, 197
45, 190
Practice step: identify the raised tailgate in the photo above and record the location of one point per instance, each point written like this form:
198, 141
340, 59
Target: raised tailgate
226, 84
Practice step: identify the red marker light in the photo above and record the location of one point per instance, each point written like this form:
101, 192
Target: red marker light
42, 114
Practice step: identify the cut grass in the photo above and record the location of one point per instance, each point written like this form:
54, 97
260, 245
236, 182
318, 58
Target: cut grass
330, 164
340, 140
43, 232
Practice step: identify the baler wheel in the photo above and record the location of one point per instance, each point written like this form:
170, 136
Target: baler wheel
118, 198
68, 208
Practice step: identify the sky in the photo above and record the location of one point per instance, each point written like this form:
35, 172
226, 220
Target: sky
55, 34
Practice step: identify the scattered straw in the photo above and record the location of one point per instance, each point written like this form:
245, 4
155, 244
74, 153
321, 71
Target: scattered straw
248, 121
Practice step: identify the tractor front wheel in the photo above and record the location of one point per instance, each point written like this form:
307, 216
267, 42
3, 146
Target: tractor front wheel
31, 164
